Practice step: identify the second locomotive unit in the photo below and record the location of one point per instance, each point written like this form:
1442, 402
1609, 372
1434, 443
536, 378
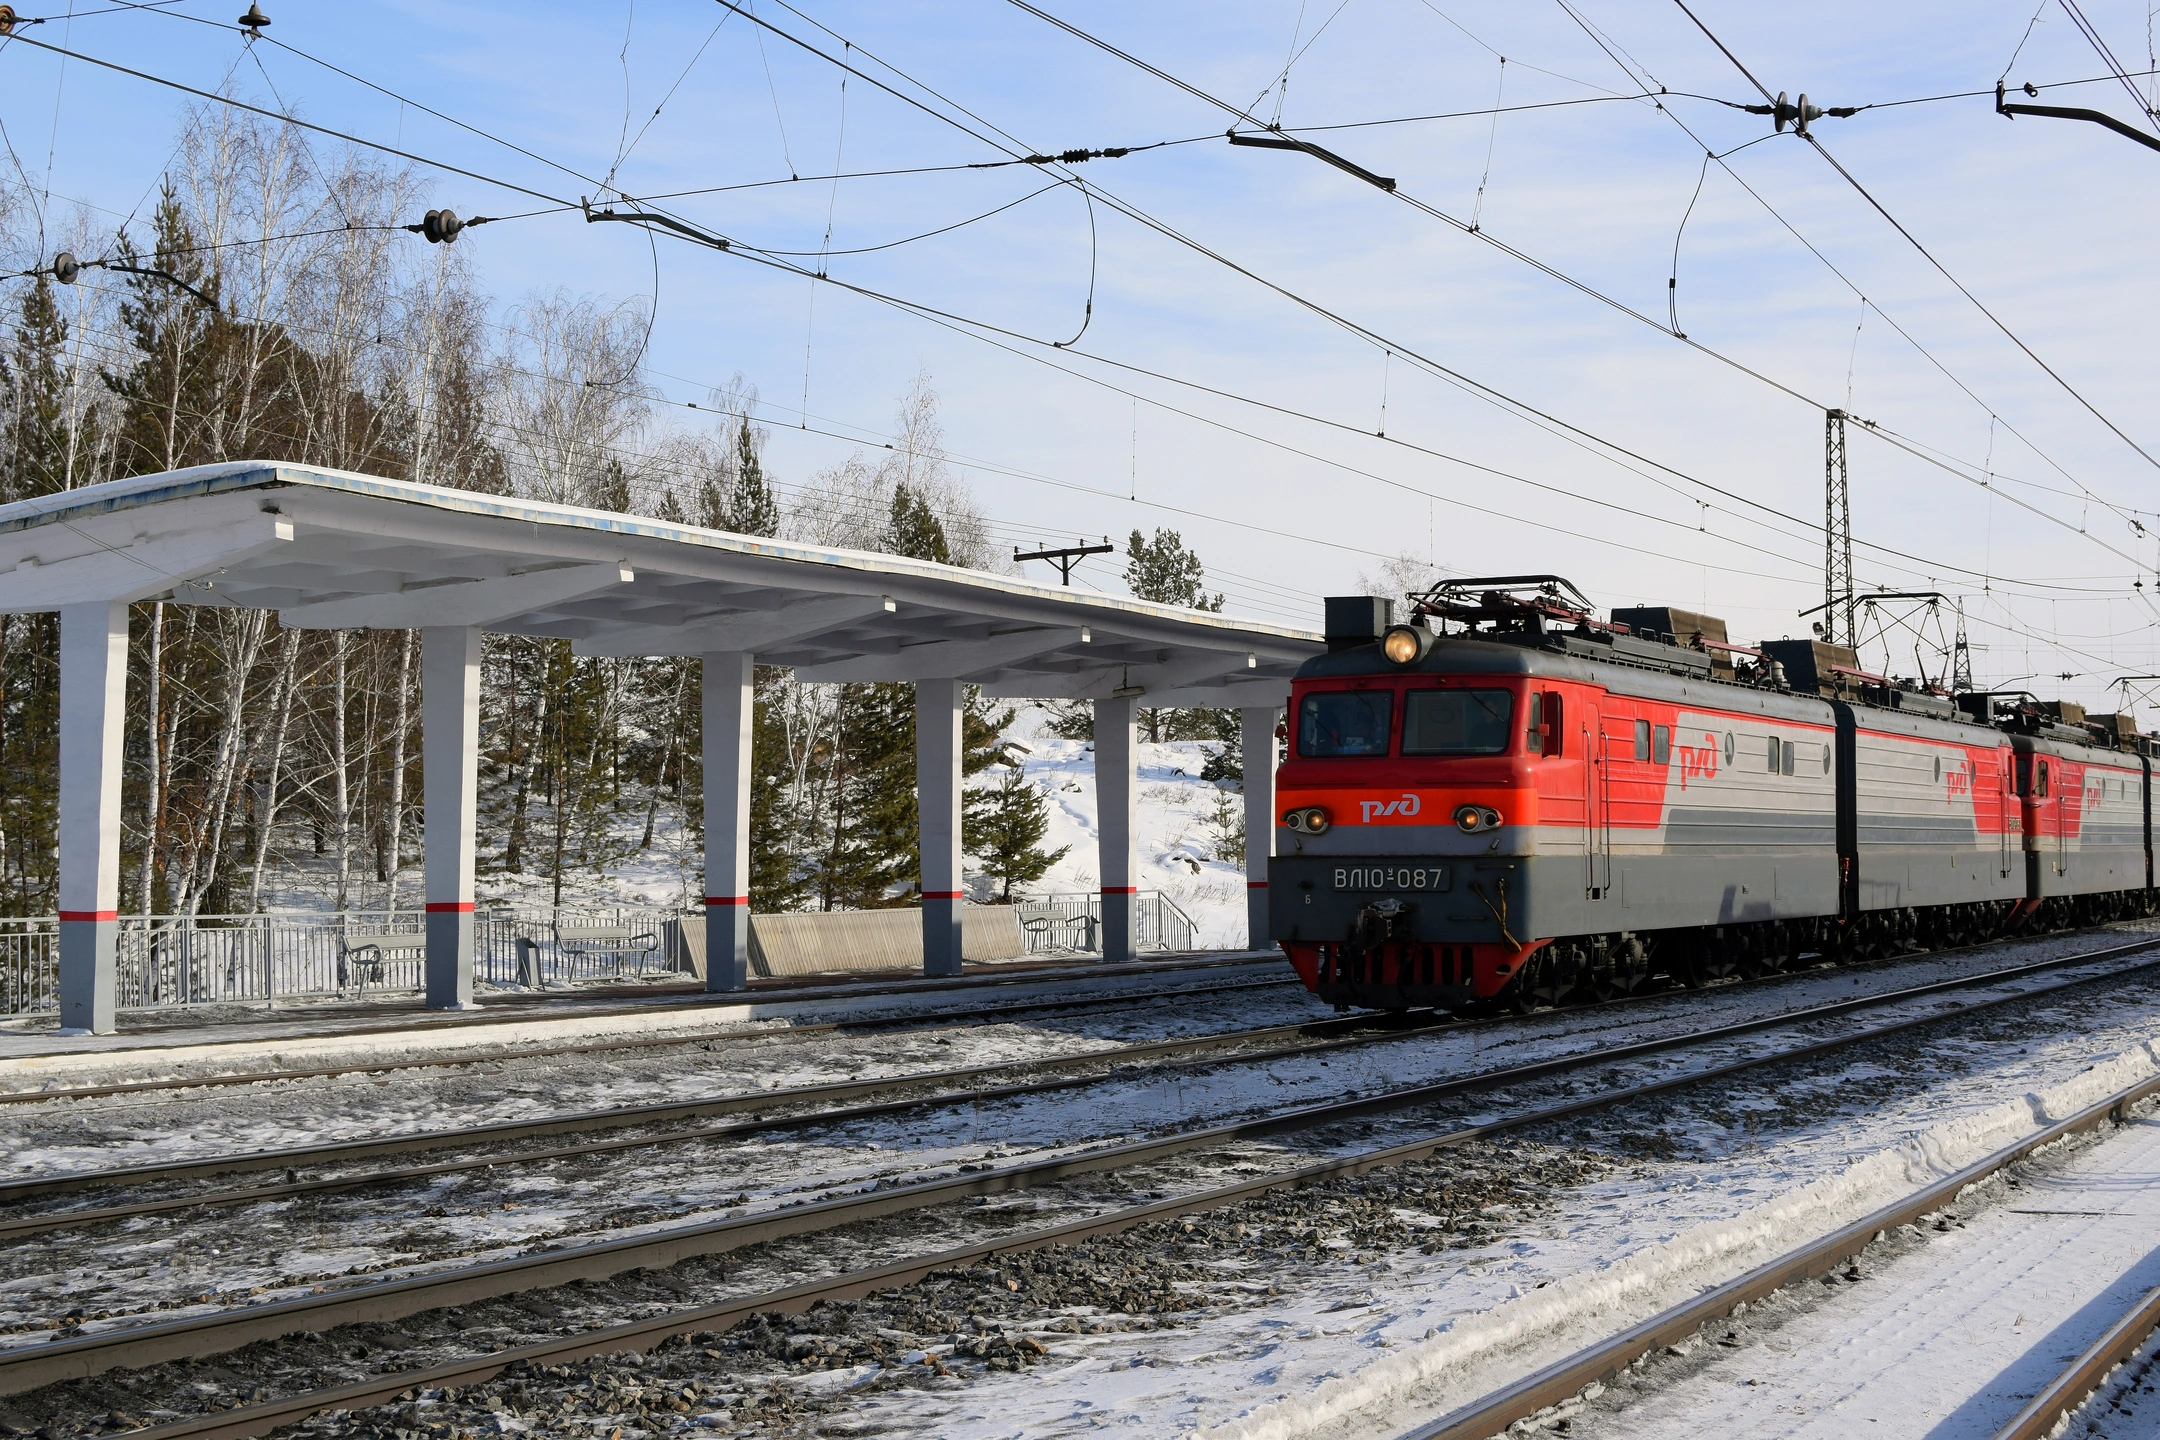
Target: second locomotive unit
1518, 803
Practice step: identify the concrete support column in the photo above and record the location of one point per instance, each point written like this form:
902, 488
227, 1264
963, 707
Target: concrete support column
93, 694
1256, 728
937, 803
729, 708
450, 790
1114, 762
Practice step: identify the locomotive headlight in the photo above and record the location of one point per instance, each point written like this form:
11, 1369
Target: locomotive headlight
1405, 644
1475, 819
1308, 820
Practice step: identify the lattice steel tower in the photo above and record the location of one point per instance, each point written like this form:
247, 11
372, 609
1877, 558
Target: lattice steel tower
1837, 536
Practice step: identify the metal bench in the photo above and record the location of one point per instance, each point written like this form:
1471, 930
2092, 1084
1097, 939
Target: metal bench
1048, 926
586, 942
360, 957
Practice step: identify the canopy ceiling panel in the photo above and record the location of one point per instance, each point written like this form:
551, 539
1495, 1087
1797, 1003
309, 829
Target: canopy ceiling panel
328, 549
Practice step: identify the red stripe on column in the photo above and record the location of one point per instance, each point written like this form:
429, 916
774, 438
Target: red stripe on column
449, 907
1256, 884
1120, 889
727, 900
89, 915
942, 894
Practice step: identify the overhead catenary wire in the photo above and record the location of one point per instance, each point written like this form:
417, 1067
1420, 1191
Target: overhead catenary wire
1424, 361
1341, 321
1993, 416
379, 147
1468, 227
1913, 240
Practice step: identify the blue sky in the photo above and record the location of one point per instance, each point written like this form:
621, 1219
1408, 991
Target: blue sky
2046, 222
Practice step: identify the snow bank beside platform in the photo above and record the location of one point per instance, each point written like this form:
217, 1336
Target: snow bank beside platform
271, 1043
1477, 1354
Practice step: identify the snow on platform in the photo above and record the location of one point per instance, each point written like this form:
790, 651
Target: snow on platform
318, 1036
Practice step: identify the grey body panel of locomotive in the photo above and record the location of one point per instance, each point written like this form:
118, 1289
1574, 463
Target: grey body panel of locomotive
1915, 842
1721, 856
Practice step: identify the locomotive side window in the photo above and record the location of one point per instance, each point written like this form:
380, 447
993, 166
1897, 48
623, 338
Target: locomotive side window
1786, 768
2040, 786
1642, 739
1772, 755
1458, 722
1826, 760
1661, 745
1345, 722
1728, 747
1534, 733
1554, 741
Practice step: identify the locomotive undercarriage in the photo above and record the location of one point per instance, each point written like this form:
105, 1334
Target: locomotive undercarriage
1382, 965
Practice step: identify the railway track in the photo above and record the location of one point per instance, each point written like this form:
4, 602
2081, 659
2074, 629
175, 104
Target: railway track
292, 1159
1599, 1363
900, 1024
2062, 1397
626, 1117
29, 1367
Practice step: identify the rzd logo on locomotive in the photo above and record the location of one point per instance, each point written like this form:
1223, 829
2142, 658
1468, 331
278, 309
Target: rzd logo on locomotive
1699, 760
1379, 809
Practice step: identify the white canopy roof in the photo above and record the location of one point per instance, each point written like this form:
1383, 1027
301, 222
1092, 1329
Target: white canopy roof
328, 549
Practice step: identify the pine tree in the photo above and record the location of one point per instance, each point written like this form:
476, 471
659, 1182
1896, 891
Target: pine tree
752, 510
1006, 829
868, 844
35, 447
915, 529
1164, 571
168, 395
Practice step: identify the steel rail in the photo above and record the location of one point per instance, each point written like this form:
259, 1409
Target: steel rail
1606, 1359
661, 1112
247, 1195
2069, 1391
133, 1346
137, 1087
294, 1157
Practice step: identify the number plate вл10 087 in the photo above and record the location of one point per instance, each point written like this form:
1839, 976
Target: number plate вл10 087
1401, 878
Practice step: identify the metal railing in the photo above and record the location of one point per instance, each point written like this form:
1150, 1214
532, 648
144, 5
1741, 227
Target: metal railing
1070, 923
174, 961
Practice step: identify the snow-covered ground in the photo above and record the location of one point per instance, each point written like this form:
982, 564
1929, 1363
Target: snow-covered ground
1948, 1340
1183, 828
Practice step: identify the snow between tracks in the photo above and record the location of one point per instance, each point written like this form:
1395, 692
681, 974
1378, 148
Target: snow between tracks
1476, 1354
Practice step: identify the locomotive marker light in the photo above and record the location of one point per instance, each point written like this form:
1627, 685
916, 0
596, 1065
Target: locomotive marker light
1406, 644
1311, 820
1476, 819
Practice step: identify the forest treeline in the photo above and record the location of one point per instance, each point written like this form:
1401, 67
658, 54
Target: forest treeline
275, 308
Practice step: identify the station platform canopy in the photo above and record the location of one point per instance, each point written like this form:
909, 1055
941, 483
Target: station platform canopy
328, 549
331, 550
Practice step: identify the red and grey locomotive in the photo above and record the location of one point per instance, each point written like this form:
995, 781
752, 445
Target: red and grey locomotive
1509, 800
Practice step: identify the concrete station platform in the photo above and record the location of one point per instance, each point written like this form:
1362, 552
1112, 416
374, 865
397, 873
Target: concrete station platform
207, 1041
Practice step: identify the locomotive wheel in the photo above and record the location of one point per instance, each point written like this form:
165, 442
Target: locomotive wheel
1521, 998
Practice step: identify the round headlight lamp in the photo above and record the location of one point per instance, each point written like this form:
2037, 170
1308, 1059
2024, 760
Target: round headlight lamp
1405, 644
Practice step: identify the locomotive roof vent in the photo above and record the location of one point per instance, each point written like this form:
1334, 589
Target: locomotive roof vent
1681, 627
1354, 620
